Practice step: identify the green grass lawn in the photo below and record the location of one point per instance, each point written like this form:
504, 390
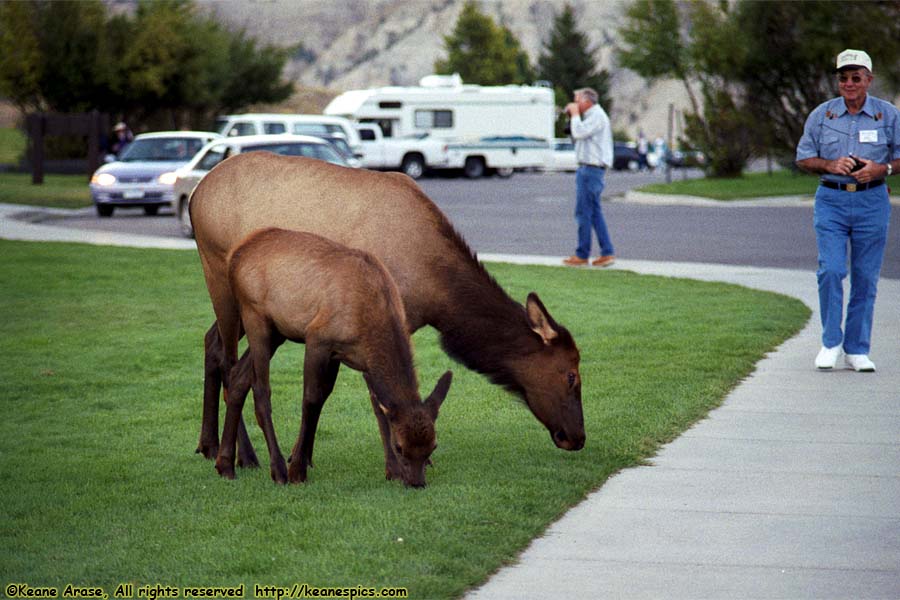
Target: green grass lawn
102, 377
57, 191
752, 185
12, 145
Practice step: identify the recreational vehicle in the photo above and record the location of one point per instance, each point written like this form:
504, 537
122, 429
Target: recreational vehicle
443, 107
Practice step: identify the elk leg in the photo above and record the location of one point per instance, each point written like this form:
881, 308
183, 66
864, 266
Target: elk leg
214, 367
262, 346
213, 358
319, 375
392, 469
235, 395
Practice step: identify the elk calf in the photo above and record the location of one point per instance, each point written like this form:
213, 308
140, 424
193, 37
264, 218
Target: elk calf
344, 306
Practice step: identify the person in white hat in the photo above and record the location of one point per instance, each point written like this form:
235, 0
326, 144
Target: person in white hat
853, 141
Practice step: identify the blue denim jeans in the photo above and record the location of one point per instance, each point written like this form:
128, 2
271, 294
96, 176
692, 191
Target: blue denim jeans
588, 216
859, 219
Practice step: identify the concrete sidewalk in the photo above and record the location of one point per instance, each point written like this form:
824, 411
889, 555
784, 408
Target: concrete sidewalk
790, 490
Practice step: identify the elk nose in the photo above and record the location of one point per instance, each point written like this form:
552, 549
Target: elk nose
568, 443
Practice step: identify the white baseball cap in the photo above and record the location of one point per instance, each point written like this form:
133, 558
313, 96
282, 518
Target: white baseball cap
853, 58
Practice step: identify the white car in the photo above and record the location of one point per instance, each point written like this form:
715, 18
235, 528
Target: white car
145, 172
218, 150
563, 156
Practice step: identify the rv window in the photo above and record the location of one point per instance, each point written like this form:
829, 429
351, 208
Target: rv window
387, 125
366, 135
273, 128
390, 105
310, 128
242, 128
434, 119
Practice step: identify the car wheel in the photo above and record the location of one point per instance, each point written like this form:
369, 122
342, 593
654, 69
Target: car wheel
151, 210
104, 210
413, 166
184, 218
474, 167
505, 172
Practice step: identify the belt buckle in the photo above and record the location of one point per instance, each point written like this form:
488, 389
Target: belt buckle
851, 187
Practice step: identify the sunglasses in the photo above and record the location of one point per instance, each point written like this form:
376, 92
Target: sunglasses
846, 79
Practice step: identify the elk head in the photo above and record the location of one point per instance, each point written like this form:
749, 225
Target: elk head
412, 432
548, 378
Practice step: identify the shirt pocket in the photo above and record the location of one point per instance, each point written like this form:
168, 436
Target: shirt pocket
876, 150
831, 146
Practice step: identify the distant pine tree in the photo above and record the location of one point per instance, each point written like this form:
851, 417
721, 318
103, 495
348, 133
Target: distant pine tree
567, 61
483, 52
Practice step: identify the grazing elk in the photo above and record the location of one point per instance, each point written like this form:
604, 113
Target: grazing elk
344, 306
441, 282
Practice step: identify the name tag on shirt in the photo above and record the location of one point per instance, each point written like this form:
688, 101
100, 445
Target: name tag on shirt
868, 136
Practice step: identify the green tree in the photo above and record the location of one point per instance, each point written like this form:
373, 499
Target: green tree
163, 66
758, 67
21, 67
567, 61
787, 67
483, 52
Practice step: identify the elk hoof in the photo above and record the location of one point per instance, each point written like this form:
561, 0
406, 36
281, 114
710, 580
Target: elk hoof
225, 470
297, 472
278, 471
209, 450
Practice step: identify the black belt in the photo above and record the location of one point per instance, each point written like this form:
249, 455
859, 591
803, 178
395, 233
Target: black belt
852, 187
590, 165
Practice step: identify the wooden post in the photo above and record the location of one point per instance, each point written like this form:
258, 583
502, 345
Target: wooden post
36, 126
93, 143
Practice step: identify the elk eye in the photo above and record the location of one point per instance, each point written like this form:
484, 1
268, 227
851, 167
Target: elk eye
572, 378
398, 449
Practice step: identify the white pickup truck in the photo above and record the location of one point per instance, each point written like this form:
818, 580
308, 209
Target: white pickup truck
475, 158
498, 154
412, 155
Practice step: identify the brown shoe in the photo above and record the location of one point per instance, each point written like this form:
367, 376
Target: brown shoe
604, 261
575, 261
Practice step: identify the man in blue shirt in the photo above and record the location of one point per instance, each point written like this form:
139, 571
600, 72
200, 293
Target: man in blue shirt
594, 151
854, 142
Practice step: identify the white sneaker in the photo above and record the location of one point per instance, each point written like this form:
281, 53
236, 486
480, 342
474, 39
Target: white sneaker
860, 363
827, 357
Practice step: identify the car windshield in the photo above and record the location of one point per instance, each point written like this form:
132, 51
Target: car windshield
341, 145
320, 151
162, 149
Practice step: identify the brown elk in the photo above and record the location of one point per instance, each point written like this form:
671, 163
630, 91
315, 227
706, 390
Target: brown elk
345, 307
441, 282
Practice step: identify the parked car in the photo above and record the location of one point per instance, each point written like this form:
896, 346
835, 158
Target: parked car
625, 157
273, 123
188, 176
563, 156
682, 159
144, 174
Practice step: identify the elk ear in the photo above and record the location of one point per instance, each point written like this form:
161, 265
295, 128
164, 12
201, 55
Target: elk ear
439, 394
384, 409
539, 319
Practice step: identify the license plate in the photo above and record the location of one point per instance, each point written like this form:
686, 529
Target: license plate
133, 194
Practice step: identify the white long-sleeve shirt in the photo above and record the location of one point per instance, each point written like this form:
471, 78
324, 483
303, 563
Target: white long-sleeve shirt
593, 137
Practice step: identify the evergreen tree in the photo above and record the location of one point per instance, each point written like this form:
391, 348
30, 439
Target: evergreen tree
483, 52
567, 61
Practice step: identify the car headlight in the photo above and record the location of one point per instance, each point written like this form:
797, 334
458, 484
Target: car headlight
168, 178
103, 179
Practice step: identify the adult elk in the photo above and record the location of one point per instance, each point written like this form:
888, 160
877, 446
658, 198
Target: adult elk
441, 282
344, 306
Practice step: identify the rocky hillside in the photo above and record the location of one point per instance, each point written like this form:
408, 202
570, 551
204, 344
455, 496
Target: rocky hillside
349, 44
